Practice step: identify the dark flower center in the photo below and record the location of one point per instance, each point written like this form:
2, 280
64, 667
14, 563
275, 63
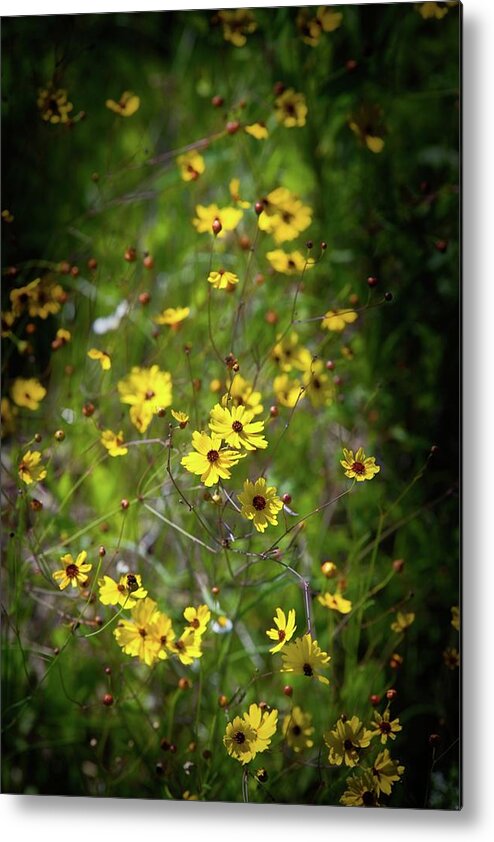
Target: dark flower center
195, 623
132, 583
281, 634
358, 467
291, 264
149, 394
368, 798
349, 745
163, 639
259, 502
385, 727
287, 216
180, 645
143, 632
308, 670
316, 383
239, 737
213, 456
71, 571
237, 426
296, 730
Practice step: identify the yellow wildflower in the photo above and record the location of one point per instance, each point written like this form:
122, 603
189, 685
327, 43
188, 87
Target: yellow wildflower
367, 125
288, 392
134, 635
205, 216
385, 728
361, 792
284, 631
7, 216
304, 656
172, 316
161, 630
27, 393
188, 646
126, 592
288, 354
385, 772
241, 393
181, 417
359, 467
337, 320
191, 165
346, 741
251, 734
402, 622
433, 10
235, 194
54, 105
237, 24
114, 442
210, 460
257, 130
146, 390
198, 618
455, 617
237, 428
63, 336
335, 602
30, 469
311, 28
290, 108
317, 385
73, 573
292, 263
260, 503
126, 106
297, 729
102, 357
222, 279
284, 215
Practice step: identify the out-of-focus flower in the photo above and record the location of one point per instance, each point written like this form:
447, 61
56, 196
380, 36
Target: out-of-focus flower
346, 741
237, 24
293, 263
206, 216
30, 470
386, 772
8, 413
335, 602
73, 573
146, 390
402, 621
284, 631
260, 503
288, 354
102, 357
191, 165
41, 298
284, 215
434, 10
359, 467
235, 194
337, 320
126, 106
361, 791
257, 130
451, 658
114, 442
172, 316
54, 105
317, 385
311, 28
222, 279
242, 393
367, 125
27, 393
288, 392
7, 216
297, 729
290, 108
455, 617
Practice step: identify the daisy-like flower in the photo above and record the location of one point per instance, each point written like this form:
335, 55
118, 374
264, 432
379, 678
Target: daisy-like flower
335, 602
198, 618
451, 658
205, 216
234, 188
337, 320
257, 130
260, 503
386, 772
125, 592
114, 442
288, 392
134, 635
7, 216
384, 727
210, 461
237, 427
290, 108
172, 316
346, 741
359, 467
284, 631
402, 621
367, 125
126, 106
239, 740
434, 10
284, 215
62, 336
311, 28
181, 417
191, 165
161, 630
455, 617
27, 393
288, 354
297, 729
222, 279
237, 24
21, 297
102, 357
242, 393
304, 656
317, 385
146, 390
54, 105
188, 646
8, 413
30, 469
263, 723
73, 573
361, 792
289, 263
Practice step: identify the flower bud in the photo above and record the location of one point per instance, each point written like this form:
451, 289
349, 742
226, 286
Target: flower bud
144, 298
130, 254
388, 296
372, 281
261, 775
88, 409
232, 126
217, 101
184, 684
274, 411
259, 207
148, 262
92, 264
223, 701
59, 435
124, 504
288, 690
216, 226
330, 365
329, 569
287, 499
398, 565
374, 699
391, 694
107, 699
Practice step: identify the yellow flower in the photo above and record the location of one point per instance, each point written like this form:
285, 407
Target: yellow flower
455, 617
114, 443
292, 263
73, 573
402, 622
126, 106
210, 460
337, 320
284, 631
222, 279
53, 104
346, 741
385, 728
263, 723
312, 28
47, 301
336, 602
260, 503
433, 10
359, 467
242, 393
367, 125
198, 618
237, 427
181, 417
304, 656
161, 630
102, 357
288, 392
188, 796
317, 385
288, 354
237, 24
8, 413
7, 216
297, 730
8, 319
188, 646
191, 165
146, 390
290, 108
205, 216
451, 658
385, 772
21, 297
172, 316
27, 393
63, 336
257, 130
361, 791
284, 215
251, 734
134, 635
235, 194
30, 469
125, 592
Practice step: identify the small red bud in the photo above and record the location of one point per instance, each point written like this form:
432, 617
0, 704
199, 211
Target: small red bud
441, 245
374, 699
388, 296
391, 694
130, 254
102, 551
278, 88
107, 670
217, 101
64, 267
434, 739
271, 317
398, 565
351, 65
288, 691
37, 437
232, 126
183, 684
372, 281
124, 503
88, 410
107, 699
337, 380
92, 264
309, 244
259, 207
222, 701
144, 298
74, 271
216, 226
148, 262
330, 365
287, 498
244, 242
274, 411
324, 246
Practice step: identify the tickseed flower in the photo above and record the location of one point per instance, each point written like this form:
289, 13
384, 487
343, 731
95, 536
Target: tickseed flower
335, 602
134, 635
385, 772
337, 320
172, 316
188, 646
126, 106
27, 393
198, 618
402, 621
7, 216
434, 10
236, 426
191, 165
361, 791
455, 617
384, 728
73, 573
297, 729
181, 417
114, 442
161, 630
317, 385
284, 631
63, 336
241, 393
367, 125
284, 215
237, 24
37, 298
146, 390
30, 469
288, 392
304, 656
288, 354
251, 734
291, 109
102, 357
222, 279
257, 130
8, 413
292, 263
211, 461
359, 467
205, 216
53, 104
260, 503
346, 741
127, 591
451, 658
235, 194
311, 28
